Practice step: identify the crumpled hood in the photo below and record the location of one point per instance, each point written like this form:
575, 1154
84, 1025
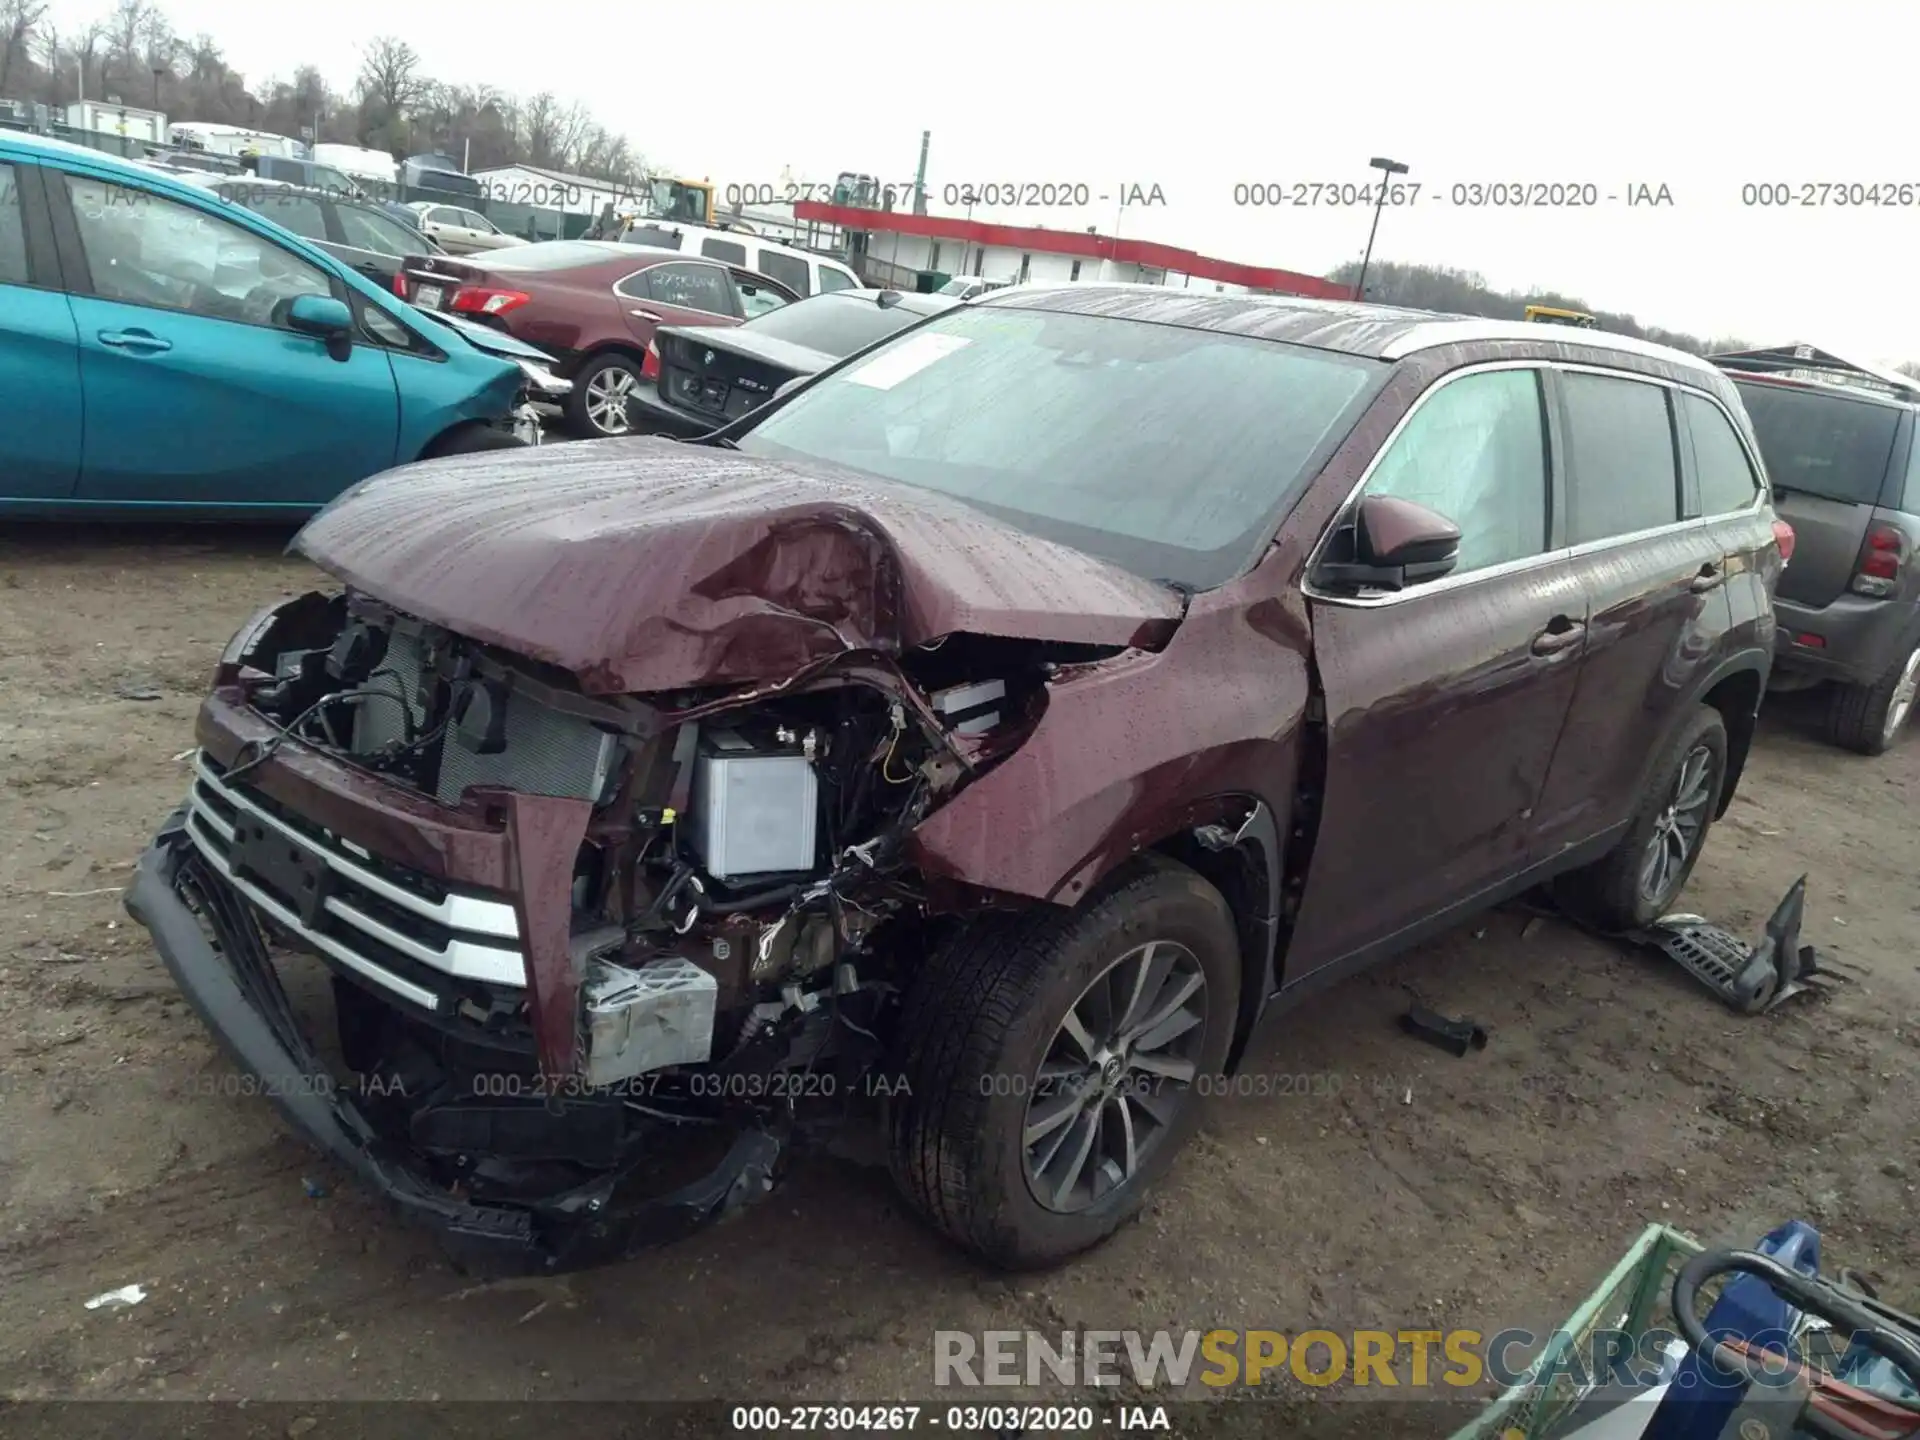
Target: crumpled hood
645, 564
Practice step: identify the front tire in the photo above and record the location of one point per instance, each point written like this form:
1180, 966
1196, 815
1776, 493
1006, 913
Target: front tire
597, 405
1054, 1063
1637, 881
1867, 719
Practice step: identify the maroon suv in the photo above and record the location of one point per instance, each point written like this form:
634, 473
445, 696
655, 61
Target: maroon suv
978, 738
593, 305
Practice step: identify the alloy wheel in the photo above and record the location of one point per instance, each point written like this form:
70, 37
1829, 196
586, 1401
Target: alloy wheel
1900, 706
606, 400
1118, 1072
1678, 831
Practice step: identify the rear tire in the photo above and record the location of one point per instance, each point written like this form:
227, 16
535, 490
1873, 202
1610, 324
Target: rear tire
597, 398
1630, 886
1867, 719
1044, 1093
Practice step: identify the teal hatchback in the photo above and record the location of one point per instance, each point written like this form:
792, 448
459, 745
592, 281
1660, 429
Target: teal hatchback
166, 351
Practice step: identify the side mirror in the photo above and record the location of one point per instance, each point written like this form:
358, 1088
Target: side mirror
325, 318
1390, 544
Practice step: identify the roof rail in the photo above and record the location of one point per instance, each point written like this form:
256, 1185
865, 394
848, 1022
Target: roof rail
1807, 362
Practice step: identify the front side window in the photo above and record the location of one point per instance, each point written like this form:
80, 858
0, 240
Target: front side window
758, 300
1725, 475
1476, 452
13, 234
476, 221
1621, 472
832, 279
1170, 451
142, 249
370, 230
691, 287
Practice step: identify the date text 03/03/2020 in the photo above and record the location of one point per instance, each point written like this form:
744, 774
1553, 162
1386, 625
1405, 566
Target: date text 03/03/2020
1463, 194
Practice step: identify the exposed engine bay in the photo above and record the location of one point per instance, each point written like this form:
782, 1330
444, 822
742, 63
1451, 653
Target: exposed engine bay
740, 907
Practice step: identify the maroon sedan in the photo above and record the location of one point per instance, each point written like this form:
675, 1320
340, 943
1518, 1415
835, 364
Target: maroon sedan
593, 305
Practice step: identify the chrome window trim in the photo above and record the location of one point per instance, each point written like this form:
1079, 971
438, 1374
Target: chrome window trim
1432, 334
473, 914
1447, 583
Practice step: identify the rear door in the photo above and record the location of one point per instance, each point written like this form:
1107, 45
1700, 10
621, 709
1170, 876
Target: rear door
39, 350
196, 392
676, 292
1444, 701
1828, 455
1656, 594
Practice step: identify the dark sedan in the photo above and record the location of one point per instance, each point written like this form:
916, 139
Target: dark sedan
360, 233
708, 379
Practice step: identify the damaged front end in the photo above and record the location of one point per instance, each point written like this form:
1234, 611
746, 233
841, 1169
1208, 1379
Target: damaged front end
592, 961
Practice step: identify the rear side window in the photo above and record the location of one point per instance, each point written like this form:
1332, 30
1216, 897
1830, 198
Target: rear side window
13, 235
1621, 473
832, 279
299, 213
1726, 478
1832, 446
730, 251
691, 287
788, 270
1476, 452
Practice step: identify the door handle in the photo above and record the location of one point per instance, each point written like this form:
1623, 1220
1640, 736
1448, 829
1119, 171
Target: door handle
1560, 634
644, 315
1711, 577
141, 342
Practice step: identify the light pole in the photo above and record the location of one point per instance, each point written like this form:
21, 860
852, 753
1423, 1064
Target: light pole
1388, 169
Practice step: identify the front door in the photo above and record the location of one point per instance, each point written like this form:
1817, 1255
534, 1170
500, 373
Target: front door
196, 392
39, 351
1444, 701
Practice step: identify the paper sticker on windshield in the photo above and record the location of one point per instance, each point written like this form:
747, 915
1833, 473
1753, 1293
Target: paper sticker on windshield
905, 360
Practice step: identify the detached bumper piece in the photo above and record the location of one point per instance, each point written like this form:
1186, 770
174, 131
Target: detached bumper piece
208, 939
1751, 979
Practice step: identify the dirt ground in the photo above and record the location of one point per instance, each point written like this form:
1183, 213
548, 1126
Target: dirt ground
1423, 1192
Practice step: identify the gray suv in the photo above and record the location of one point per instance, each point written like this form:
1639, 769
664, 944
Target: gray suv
1840, 447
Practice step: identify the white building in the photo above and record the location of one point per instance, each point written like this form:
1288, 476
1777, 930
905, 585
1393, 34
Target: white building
899, 244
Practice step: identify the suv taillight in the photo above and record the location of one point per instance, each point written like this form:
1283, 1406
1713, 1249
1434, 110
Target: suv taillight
1881, 559
485, 300
1783, 537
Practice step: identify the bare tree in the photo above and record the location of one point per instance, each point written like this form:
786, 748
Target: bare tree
124, 32
390, 76
18, 20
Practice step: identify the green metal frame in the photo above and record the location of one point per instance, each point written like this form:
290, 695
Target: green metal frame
1627, 1300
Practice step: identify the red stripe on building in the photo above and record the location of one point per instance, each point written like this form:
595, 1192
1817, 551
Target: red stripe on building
1034, 238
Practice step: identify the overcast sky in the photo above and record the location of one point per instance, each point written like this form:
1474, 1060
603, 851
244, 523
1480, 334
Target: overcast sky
1700, 96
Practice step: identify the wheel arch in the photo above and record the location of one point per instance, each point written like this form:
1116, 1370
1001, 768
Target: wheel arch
1736, 688
444, 435
1240, 856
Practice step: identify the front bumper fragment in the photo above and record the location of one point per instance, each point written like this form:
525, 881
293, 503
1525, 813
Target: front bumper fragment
238, 996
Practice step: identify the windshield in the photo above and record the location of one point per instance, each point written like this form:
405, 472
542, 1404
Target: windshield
1170, 451
835, 324
1821, 443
